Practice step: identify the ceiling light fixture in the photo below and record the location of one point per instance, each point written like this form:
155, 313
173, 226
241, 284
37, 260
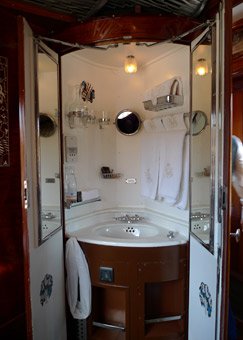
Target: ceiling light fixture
130, 64
201, 68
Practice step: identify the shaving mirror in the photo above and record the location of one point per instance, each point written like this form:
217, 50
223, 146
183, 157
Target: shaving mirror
128, 122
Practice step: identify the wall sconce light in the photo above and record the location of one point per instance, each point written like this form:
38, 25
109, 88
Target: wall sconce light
130, 64
201, 68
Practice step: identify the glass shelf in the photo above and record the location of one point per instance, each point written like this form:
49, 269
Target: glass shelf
69, 205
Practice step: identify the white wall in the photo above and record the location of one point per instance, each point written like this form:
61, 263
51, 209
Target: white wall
116, 90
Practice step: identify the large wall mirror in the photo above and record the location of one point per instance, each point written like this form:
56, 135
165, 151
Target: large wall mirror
201, 209
48, 142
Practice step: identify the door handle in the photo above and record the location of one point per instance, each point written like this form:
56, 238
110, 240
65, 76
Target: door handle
236, 235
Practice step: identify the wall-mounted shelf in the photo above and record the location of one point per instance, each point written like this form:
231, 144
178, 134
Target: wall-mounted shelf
108, 173
164, 102
111, 175
69, 205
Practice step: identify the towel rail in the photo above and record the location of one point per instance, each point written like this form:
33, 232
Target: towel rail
164, 319
164, 102
108, 326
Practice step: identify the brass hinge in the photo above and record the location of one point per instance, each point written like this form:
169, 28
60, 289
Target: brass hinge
26, 201
223, 191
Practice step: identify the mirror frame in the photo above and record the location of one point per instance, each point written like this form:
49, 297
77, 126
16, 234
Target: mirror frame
39, 46
205, 123
130, 113
211, 199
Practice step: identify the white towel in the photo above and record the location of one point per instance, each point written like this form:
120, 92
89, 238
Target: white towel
148, 126
149, 164
174, 122
184, 189
90, 194
154, 125
78, 280
171, 158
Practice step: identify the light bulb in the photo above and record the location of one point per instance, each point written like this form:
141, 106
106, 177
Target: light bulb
130, 64
201, 68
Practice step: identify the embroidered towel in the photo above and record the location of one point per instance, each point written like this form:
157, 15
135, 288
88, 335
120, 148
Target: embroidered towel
78, 280
150, 143
154, 125
171, 160
184, 189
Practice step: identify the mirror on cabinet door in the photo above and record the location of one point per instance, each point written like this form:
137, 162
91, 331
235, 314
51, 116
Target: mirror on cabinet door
48, 142
201, 140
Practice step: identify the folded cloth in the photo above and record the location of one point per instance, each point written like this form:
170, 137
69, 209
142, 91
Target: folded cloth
174, 122
149, 164
148, 125
78, 280
90, 194
154, 125
172, 155
184, 189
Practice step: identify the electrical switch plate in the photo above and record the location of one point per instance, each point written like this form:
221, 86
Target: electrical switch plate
106, 274
71, 149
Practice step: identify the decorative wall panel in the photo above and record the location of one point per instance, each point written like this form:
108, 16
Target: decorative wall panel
4, 119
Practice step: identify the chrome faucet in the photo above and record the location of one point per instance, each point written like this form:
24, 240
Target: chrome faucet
129, 218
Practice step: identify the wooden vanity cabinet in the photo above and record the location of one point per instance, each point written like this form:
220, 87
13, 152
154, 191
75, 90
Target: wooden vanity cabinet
144, 295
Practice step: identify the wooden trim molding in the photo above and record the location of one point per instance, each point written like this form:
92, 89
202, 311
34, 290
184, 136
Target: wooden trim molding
128, 28
25, 235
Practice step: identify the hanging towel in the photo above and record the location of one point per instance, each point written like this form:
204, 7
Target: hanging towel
150, 143
171, 162
154, 125
184, 189
148, 126
78, 280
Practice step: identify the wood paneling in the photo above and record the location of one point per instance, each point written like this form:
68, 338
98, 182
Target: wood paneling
148, 283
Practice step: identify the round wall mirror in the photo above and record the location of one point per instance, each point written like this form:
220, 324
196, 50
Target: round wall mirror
199, 122
47, 125
128, 122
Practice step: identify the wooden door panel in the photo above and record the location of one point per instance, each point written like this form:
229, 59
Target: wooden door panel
237, 248
13, 246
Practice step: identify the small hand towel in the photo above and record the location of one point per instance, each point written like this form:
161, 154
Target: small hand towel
154, 125
78, 280
149, 164
182, 201
171, 162
148, 126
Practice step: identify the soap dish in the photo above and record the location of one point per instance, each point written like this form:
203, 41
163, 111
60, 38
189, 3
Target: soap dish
108, 173
111, 175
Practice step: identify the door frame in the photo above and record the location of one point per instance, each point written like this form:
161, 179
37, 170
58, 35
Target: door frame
226, 180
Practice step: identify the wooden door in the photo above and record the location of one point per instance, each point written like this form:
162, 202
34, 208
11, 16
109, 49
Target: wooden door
236, 257
14, 282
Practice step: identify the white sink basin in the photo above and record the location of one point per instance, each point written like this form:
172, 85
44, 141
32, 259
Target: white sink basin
128, 235
127, 231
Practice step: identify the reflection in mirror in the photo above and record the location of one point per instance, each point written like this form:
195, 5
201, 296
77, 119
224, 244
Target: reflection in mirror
48, 142
128, 122
201, 177
47, 125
